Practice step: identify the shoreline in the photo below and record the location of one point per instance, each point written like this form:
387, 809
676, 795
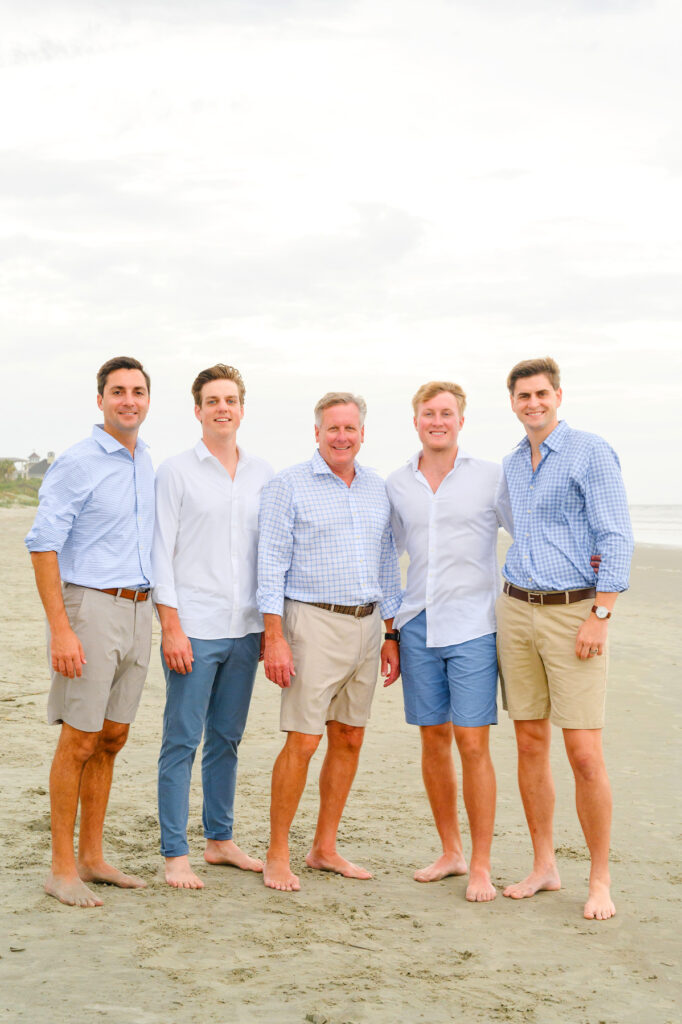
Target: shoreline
344, 951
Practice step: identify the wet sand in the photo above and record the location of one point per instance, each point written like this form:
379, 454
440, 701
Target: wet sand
341, 951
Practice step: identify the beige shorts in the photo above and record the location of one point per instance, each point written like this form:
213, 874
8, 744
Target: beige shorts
540, 673
116, 636
336, 658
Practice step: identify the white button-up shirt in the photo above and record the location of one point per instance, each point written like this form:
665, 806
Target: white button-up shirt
451, 540
205, 548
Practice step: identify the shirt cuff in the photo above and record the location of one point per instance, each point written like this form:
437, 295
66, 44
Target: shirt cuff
389, 606
163, 594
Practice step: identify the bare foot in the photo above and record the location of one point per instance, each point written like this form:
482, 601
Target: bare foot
537, 881
278, 875
447, 864
599, 906
108, 875
180, 875
225, 851
71, 891
335, 862
480, 889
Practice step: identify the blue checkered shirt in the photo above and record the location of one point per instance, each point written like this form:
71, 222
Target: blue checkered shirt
321, 540
571, 507
97, 512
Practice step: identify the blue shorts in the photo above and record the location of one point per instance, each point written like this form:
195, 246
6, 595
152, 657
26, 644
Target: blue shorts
448, 684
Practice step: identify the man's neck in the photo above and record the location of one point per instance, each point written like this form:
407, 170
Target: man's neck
125, 438
435, 466
226, 452
537, 437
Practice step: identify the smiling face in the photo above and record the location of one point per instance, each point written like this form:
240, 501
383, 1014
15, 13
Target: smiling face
438, 423
536, 405
124, 403
220, 412
339, 437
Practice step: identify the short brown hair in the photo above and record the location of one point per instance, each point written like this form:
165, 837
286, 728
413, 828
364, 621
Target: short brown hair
437, 387
218, 372
120, 363
530, 368
340, 398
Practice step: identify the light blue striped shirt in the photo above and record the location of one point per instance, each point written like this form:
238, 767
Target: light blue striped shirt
571, 507
97, 512
321, 540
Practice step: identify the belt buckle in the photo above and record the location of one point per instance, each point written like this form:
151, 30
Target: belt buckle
534, 597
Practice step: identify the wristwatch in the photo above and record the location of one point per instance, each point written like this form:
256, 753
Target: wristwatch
395, 635
601, 612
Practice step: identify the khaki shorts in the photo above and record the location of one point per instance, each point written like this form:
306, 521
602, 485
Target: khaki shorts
336, 658
540, 673
116, 636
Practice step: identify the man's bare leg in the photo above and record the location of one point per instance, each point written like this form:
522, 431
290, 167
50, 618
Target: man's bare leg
64, 883
533, 740
288, 782
440, 781
226, 851
479, 791
94, 795
336, 777
594, 804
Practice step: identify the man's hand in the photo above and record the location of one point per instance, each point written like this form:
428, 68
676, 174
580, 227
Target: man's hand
66, 652
279, 663
390, 661
591, 638
595, 562
177, 649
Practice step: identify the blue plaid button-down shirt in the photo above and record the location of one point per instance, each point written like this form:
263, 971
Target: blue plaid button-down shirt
321, 540
571, 507
97, 512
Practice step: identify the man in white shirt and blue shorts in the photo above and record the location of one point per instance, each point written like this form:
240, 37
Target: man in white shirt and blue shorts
445, 515
204, 556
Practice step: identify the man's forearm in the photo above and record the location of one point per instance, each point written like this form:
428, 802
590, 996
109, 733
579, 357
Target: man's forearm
49, 584
272, 626
168, 617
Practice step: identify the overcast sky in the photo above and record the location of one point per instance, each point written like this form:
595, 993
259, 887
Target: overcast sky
333, 194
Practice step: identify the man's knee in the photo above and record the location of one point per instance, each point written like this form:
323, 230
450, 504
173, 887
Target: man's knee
533, 738
436, 738
345, 736
472, 743
76, 745
301, 745
112, 737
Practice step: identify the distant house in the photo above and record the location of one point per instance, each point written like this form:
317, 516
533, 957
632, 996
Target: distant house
33, 467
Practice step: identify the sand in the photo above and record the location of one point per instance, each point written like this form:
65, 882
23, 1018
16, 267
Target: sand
343, 951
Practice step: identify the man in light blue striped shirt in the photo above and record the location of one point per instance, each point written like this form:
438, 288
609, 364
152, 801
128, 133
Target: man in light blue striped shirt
91, 547
327, 572
568, 503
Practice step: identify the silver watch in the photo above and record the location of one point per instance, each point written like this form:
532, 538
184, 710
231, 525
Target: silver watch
601, 612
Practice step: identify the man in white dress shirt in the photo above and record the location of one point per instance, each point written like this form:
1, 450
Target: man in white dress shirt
204, 556
445, 516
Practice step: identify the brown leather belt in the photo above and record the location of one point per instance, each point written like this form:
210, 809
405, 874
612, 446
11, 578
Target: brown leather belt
131, 595
548, 596
358, 611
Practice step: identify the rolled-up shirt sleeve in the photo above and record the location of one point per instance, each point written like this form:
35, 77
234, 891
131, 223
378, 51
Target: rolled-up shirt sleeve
275, 544
608, 518
63, 493
166, 524
389, 575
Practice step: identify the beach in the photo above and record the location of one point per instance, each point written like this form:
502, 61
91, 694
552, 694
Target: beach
342, 951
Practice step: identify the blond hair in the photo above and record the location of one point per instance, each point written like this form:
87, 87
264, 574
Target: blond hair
437, 387
218, 372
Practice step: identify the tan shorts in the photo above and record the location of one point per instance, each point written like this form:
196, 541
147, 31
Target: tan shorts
116, 636
540, 673
336, 658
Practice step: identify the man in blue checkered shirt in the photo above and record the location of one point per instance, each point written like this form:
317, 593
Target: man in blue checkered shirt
568, 503
327, 575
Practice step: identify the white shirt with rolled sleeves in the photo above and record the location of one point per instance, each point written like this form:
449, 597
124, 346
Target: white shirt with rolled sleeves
451, 539
205, 548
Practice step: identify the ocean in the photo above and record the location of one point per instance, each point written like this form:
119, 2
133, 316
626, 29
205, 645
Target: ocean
657, 524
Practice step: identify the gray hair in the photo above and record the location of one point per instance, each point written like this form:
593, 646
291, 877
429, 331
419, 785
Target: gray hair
340, 398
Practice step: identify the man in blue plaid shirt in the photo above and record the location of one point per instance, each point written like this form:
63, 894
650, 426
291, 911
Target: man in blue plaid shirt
327, 575
568, 503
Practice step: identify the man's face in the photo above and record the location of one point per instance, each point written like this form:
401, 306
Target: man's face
125, 402
535, 403
340, 436
438, 423
220, 412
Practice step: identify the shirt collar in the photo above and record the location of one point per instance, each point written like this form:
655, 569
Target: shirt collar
320, 466
110, 444
414, 460
555, 440
202, 452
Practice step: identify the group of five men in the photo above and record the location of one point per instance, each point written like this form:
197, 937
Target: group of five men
299, 568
